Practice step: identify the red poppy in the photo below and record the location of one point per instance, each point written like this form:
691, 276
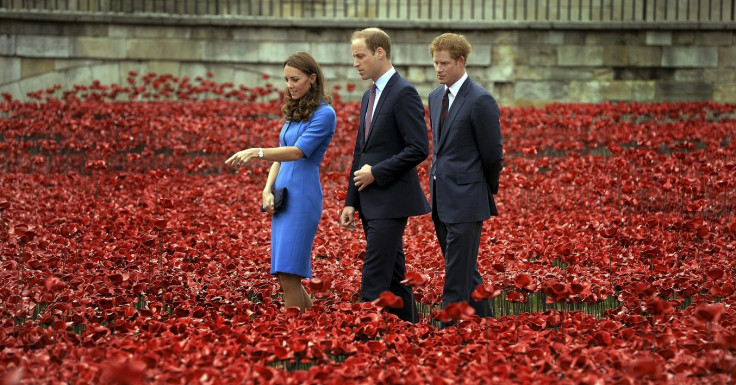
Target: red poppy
607, 212
709, 313
389, 299
485, 292
456, 311
415, 279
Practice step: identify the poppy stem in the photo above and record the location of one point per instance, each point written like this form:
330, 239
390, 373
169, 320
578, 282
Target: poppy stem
161, 269
610, 264
19, 306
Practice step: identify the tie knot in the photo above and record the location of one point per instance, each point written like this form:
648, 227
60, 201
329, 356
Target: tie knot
447, 92
373, 88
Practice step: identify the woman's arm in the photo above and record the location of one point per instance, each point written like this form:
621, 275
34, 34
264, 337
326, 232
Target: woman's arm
268, 200
277, 154
272, 173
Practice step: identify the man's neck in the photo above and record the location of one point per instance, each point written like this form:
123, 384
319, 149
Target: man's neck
456, 80
383, 71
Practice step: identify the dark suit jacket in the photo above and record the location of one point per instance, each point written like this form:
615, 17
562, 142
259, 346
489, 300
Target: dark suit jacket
467, 157
397, 143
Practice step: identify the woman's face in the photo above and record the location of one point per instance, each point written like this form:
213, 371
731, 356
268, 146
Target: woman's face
297, 82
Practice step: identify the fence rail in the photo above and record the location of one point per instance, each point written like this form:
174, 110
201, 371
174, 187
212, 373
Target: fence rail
542, 11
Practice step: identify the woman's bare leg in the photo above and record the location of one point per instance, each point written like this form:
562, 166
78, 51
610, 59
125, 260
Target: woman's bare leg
294, 292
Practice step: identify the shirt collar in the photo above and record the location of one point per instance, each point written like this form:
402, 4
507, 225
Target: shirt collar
459, 83
381, 82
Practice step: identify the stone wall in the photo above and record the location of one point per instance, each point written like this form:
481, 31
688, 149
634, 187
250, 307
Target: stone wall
520, 66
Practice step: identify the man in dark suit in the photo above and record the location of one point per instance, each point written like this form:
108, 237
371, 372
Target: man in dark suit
384, 187
466, 161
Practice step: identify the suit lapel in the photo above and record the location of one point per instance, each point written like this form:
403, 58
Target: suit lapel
457, 104
435, 118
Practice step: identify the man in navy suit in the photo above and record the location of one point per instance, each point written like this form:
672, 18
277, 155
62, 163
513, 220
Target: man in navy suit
466, 161
384, 187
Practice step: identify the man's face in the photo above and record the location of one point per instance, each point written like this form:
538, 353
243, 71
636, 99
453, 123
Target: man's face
366, 61
448, 69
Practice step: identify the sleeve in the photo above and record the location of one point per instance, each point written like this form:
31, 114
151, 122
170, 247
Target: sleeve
352, 198
486, 124
321, 126
412, 127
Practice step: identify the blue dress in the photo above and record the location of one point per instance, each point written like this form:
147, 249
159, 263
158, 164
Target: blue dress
294, 227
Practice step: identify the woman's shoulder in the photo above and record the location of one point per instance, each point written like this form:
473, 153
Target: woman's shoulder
323, 105
324, 108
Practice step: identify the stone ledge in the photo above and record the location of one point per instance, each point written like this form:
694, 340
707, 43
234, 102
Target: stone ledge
572, 56
11, 69
36, 66
352, 23
7, 45
683, 91
690, 56
43, 46
168, 49
99, 48
725, 93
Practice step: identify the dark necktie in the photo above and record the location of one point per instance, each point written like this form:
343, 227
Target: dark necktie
369, 111
445, 108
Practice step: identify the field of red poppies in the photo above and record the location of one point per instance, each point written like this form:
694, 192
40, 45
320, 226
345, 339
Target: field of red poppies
131, 254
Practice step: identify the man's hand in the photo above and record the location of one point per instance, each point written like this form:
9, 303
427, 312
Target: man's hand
363, 177
347, 218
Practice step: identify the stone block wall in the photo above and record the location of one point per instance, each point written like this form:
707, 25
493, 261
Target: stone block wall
520, 66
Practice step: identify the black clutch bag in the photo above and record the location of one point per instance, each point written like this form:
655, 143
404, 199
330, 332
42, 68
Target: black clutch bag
279, 199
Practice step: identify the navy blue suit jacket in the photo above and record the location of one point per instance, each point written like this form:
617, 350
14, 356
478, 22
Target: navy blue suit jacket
468, 157
397, 143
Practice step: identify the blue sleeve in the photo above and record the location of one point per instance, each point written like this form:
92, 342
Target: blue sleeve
321, 126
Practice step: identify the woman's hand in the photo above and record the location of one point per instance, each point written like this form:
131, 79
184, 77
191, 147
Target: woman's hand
268, 202
242, 157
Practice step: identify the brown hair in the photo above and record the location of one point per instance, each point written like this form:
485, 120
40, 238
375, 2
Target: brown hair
302, 108
374, 38
457, 45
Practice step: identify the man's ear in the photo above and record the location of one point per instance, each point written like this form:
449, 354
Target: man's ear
380, 52
461, 61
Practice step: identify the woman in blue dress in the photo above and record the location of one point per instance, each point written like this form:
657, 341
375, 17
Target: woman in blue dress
308, 129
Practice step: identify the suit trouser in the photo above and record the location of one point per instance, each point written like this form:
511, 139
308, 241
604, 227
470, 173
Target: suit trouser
460, 243
384, 265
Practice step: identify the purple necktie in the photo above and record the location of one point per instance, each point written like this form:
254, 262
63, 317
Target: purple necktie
445, 108
369, 111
